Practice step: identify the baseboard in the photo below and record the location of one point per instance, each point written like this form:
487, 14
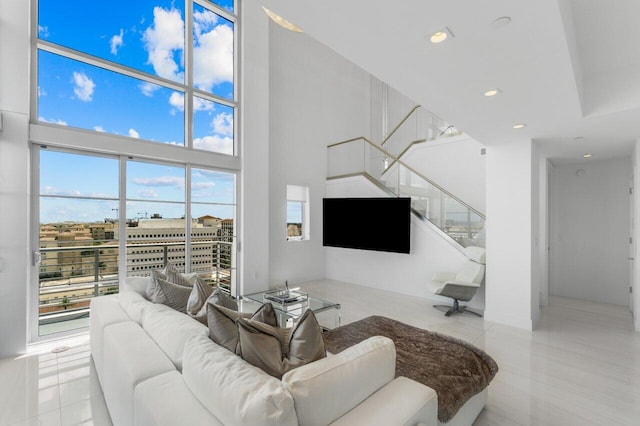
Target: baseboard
512, 321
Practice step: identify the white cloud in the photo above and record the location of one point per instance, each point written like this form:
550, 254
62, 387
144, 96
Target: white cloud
116, 42
200, 104
51, 190
147, 89
41, 92
147, 193
223, 145
83, 86
52, 120
160, 181
176, 100
213, 57
203, 185
162, 40
223, 124
203, 21
134, 134
43, 31
98, 128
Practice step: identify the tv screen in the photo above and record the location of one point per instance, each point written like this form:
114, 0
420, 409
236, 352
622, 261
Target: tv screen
380, 224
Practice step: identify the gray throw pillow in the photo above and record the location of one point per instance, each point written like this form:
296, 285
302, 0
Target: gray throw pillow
222, 322
200, 292
278, 350
171, 274
176, 296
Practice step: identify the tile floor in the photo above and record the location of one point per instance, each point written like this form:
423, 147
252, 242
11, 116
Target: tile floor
580, 367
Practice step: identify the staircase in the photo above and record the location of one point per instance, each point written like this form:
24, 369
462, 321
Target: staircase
456, 220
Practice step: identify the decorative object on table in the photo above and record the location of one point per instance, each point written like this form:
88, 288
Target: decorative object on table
285, 297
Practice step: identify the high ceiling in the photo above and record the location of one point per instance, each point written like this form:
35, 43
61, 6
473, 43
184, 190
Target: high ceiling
569, 69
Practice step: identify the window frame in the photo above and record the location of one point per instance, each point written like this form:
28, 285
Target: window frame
89, 142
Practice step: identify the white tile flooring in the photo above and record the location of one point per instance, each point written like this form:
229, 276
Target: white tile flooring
580, 367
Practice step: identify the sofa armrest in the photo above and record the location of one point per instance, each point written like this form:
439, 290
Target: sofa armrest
401, 402
325, 390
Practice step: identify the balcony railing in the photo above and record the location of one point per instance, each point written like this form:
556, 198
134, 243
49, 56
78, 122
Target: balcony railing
71, 276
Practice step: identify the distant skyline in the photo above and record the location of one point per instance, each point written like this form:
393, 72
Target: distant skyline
152, 188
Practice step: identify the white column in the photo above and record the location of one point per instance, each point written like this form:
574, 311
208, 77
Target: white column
14, 175
635, 279
512, 293
254, 98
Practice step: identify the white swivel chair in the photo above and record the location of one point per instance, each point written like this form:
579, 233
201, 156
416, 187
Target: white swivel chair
460, 286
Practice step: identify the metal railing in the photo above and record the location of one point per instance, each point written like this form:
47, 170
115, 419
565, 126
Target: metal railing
454, 217
419, 125
71, 276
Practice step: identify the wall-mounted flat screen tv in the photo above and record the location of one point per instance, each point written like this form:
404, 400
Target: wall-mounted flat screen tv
380, 224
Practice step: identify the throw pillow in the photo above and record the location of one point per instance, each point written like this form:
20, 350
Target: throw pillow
169, 273
222, 323
176, 296
207, 294
200, 292
278, 350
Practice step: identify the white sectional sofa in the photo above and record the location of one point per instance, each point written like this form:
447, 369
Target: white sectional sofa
158, 366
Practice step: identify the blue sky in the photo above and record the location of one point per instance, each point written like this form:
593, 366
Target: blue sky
151, 188
147, 36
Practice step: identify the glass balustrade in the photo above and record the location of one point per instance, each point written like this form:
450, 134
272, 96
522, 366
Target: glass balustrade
359, 156
419, 125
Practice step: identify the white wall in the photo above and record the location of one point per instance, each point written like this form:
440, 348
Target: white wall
14, 175
455, 164
512, 210
546, 170
316, 98
254, 212
590, 245
401, 273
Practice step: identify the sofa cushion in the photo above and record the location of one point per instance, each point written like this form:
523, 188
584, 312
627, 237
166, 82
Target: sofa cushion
222, 322
105, 310
130, 357
277, 350
170, 330
328, 388
136, 284
237, 392
151, 408
134, 304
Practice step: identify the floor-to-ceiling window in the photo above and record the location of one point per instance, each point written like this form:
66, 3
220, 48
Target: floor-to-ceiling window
135, 154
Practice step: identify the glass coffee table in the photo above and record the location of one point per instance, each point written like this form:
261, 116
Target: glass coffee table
289, 310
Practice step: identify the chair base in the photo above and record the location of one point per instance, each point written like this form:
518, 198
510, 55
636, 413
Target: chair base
455, 309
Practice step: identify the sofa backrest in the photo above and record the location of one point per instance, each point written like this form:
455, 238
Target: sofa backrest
327, 389
234, 391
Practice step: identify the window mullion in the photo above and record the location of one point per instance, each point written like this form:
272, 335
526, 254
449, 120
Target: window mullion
188, 69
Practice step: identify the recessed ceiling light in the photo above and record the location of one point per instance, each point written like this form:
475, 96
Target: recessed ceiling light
500, 22
440, 35
492, 92
588, 155
281, 21
519, 125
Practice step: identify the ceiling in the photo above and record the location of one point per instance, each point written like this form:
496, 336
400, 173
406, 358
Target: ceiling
569, 69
